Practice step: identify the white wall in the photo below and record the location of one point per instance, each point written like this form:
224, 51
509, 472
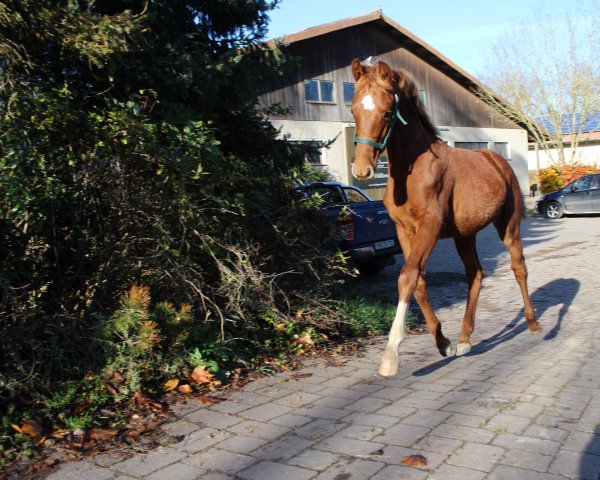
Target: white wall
517, 146
338, 152
585, 155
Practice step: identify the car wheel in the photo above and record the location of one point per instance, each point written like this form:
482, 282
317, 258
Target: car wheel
554, 210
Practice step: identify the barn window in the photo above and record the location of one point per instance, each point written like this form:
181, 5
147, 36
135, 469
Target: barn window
501, 148
423, 97
312, 150
348, 92
318, 91
471, 145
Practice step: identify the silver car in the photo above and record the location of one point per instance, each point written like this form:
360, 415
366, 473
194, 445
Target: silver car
579, 196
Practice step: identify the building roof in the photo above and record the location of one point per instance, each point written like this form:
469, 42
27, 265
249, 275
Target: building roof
411, 41
572, 124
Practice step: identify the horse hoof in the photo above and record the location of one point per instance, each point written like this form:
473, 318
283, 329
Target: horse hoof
389, 364
535, 329
448, 351
462, 349
388, 368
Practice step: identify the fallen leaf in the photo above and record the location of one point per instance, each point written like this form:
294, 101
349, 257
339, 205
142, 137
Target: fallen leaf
170, 384
32, 429
418, 461
200, 375
209, 400
184, 389
141, 399
297, 376
103, 434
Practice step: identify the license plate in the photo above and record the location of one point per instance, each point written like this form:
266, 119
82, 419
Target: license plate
385, 244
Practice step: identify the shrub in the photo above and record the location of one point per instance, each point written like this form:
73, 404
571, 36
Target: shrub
554, 178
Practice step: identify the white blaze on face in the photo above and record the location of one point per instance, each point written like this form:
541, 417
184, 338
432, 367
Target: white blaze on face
367, 102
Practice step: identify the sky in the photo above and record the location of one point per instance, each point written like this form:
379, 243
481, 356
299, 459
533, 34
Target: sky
461, 30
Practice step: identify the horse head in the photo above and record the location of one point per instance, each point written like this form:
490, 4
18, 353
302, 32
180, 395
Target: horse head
375, 110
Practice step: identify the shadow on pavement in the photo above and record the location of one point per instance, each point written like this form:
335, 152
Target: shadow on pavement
557, 292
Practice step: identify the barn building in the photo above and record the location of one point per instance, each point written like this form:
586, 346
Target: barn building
319, 91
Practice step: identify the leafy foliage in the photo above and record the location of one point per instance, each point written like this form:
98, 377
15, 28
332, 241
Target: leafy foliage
132, 153
554, 178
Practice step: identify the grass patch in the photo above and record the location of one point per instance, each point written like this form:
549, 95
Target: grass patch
371, 317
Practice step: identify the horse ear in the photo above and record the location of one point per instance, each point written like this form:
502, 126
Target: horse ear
384, 71
358, 70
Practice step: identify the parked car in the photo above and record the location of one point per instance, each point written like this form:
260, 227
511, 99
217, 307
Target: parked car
580, 196
362, 226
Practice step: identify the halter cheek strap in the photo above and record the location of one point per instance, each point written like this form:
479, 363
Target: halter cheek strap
381, 146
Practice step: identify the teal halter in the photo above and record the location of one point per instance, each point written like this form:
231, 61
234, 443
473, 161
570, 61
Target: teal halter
381, 146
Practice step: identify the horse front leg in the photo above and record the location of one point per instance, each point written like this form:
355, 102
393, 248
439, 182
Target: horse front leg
433, 324
420, 247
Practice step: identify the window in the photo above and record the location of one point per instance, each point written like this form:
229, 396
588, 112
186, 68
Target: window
471, 145
348, 92
320, 91
354, 196
584, 183
423, 98
501, 148
313, 151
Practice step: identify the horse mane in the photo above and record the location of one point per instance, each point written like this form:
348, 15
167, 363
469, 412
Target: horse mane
407, 86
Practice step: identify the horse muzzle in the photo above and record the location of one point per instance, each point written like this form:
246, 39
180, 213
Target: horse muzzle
362, 174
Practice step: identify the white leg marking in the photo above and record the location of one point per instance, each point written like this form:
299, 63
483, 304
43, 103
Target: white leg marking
368, 103
389, 362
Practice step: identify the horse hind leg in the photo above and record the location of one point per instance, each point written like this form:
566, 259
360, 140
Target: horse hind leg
510, 234
466, 248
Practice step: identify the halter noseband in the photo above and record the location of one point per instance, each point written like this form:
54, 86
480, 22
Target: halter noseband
381, 146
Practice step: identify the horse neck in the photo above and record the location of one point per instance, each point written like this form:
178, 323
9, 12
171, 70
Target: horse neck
408, 142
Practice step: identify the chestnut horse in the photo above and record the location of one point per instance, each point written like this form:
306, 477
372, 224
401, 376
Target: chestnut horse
433, 191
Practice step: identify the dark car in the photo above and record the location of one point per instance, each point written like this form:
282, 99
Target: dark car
580, 196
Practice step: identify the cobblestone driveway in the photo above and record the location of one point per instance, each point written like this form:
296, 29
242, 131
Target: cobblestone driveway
516, 407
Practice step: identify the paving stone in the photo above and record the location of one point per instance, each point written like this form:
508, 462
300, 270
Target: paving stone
504, 472
426, 418
529, 444
150, 462
579, 465
252, 428
291, 420
349, 446
241, 444
200, 439
276, 471
504, 422
265, 412
177, 471
372, 419
451, 472
465, 420
548, 433
394, 472
360, 432
320, 428
402, 435
528, 460
466, 434
219, 460
283, 448
476, 456
314, 459
438, 444
352, 468
82, 469
210, 418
